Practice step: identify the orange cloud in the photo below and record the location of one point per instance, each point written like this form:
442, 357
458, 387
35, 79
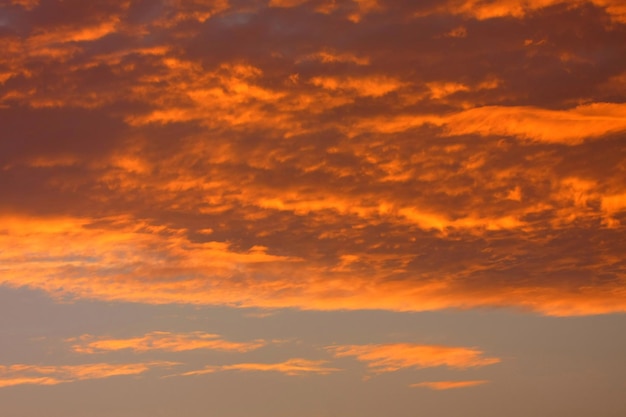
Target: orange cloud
330, 56
190, 10
482, 10
291, 367
143, 263
551, 126
75, 34
442, 89
554, 126
445, 385
170, 342
392, 357
20, 374
370, 86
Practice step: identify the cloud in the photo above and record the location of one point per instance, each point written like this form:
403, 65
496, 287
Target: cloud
570, 126
395, 356
166, 341
371, 86
331, 56
290, 367
138, 262
213, 153
445, 385
553, 126
20, 374
482, 10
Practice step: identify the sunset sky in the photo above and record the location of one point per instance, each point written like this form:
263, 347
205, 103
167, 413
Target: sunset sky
312, 208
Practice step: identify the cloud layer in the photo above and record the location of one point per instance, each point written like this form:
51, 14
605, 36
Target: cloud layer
214, 152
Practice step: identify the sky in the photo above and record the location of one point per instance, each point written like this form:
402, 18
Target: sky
313, 208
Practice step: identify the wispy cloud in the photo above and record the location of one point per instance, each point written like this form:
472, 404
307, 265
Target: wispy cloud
165, 341
570, 126
291, 367
445, 385
392, 357
20, 374
483, 10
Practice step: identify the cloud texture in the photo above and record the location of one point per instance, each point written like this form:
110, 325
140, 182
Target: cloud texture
407, 157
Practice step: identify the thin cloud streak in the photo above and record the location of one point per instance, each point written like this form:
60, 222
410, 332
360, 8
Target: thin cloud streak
392, 357
569, 127
165, 341
445, 385
290, 367
20, 374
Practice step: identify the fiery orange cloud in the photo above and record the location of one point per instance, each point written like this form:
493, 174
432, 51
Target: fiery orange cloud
291, 367
551, 126
67, 257
167, 341
371, 86
20, 374
392, 357
554, 126
444, 385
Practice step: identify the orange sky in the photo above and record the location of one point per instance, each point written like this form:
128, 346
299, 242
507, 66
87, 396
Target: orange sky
280, 158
